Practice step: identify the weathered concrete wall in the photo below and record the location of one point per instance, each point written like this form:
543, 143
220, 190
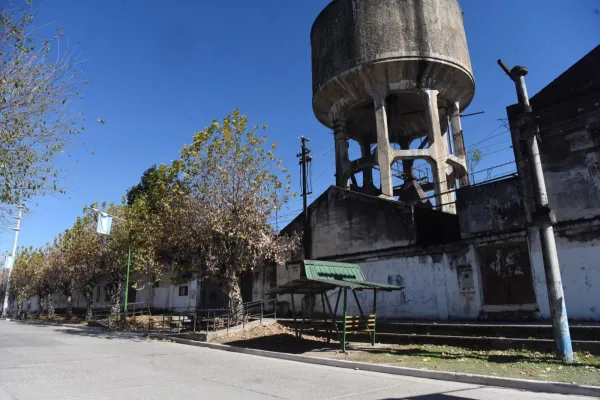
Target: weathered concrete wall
286, 273
568, 114
447, 285
435, 227
578, 255
490, 208
440, 286
343, 222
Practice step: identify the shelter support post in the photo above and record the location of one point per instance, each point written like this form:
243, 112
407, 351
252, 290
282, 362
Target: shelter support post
303, 307
362, 314
327, 330
345, 316
333, 317
294, 314
337, 302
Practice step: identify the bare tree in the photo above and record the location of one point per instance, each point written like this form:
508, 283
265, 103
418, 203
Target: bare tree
38, 112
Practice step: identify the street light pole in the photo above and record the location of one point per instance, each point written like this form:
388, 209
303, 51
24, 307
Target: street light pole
543, 216
127, 281
17, 229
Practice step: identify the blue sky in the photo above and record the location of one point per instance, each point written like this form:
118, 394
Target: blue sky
161, 70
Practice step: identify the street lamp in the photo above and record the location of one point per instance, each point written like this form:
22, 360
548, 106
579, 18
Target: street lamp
104, 225
10, 260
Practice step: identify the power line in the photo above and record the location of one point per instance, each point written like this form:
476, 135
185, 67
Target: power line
479, 171
489, 136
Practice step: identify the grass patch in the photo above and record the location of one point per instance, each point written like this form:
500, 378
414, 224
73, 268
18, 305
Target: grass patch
523, 364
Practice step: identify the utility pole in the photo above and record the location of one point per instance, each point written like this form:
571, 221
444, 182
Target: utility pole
12, 262
304, 160
543, 216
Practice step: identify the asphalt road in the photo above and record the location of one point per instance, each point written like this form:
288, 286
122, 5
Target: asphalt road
49, 362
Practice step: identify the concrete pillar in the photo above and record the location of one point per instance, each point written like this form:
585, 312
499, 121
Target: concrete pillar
341, 152
384, 151
459, 141
438, 150
367, 173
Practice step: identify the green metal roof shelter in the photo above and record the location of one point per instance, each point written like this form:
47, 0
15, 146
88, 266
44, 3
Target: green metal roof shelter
319, 277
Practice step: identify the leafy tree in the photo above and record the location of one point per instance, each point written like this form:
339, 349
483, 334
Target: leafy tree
473, 159
64, 271
133, 228
38, 114
3, 281
82, 251
21, 284
158, 205
232, 188
150, 179
42, 275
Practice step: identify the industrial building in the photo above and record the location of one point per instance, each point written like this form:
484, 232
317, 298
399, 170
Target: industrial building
395, 77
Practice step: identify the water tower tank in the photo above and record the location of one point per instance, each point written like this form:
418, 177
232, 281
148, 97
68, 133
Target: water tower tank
390, 74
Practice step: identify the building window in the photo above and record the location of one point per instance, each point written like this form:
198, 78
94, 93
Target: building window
107, 293
97, 293
183, 290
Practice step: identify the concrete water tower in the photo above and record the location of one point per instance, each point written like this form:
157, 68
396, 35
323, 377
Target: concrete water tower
390, 74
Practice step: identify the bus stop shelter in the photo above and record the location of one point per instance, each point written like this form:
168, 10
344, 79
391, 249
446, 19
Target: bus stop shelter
319, 277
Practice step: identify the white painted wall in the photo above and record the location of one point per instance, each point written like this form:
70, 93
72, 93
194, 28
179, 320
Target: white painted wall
286, 273
164, 297
431, 288
580, 271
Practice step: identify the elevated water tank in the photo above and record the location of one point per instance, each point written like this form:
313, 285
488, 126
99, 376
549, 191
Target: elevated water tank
389, 72
361, 45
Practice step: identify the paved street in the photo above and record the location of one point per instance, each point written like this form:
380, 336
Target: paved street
49, 362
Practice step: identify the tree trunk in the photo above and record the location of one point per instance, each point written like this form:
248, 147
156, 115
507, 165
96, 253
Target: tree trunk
89, 295
115, 299
68, 292
50, 301
234, 294
41, 305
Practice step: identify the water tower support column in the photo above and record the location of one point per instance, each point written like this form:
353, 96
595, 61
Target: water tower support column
459, 141
367, 173
438, 152
384, 156
341, 152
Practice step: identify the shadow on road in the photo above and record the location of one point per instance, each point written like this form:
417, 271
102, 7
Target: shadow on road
100, 333
284, 343
435, 396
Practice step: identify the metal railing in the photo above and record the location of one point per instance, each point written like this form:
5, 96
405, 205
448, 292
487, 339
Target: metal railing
184, 319
133, 310
211, 320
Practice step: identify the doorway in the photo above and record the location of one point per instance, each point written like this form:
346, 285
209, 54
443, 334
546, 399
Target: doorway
506, 274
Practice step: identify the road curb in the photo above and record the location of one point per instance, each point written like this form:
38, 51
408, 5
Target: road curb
521, 384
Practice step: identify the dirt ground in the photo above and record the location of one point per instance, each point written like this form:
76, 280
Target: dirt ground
522, 364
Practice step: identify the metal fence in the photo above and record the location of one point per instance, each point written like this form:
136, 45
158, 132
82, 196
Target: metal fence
213, 319
133, 310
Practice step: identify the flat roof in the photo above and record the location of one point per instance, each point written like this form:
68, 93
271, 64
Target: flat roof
322, 276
